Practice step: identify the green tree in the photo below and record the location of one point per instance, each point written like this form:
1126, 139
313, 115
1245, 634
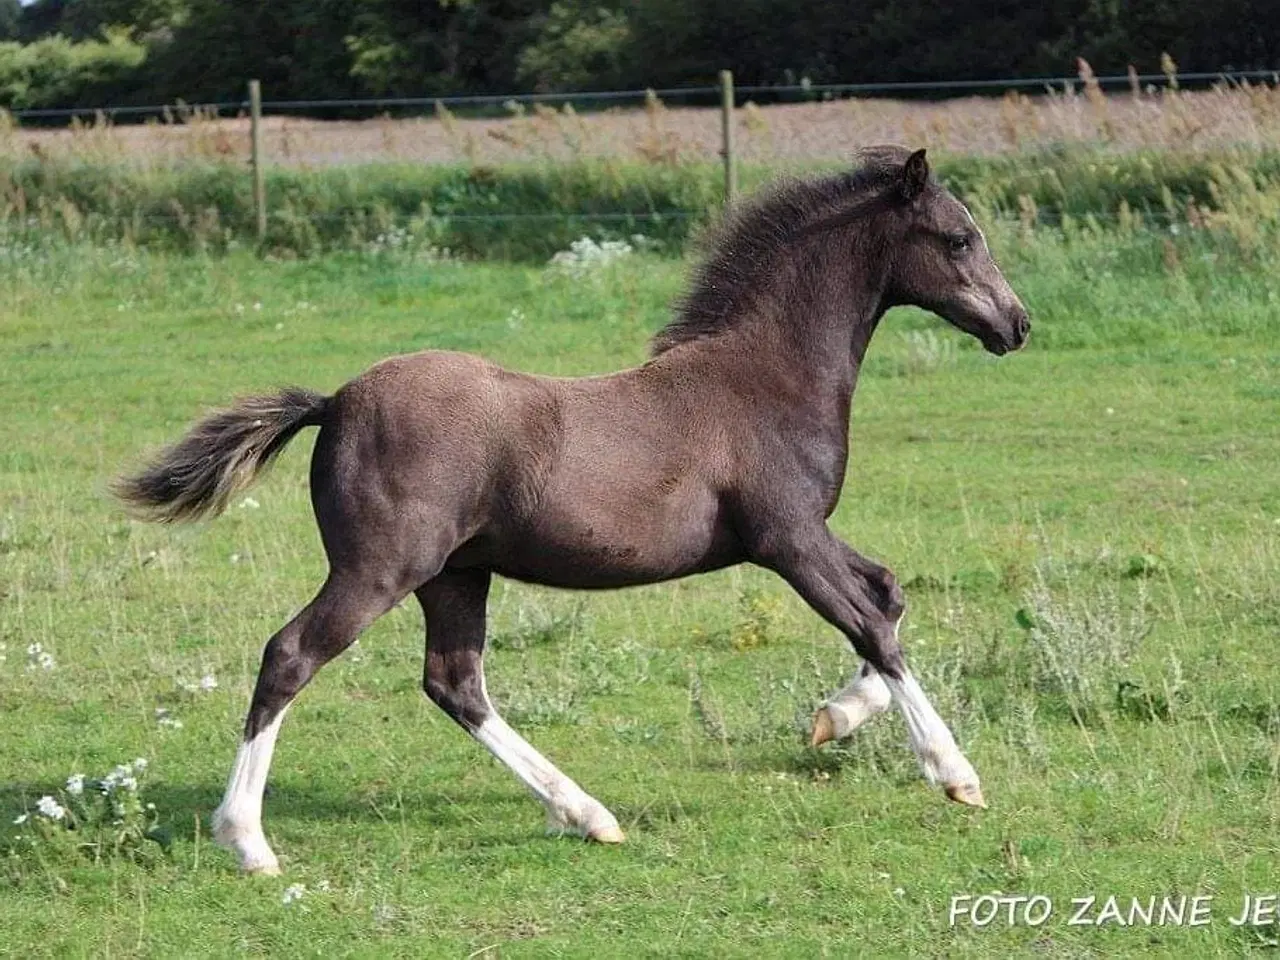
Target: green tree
10, 17
86, 19
426, 47
577, 47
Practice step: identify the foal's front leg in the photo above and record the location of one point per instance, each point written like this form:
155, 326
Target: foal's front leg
454, 605
863, 601
867, 695
853, 706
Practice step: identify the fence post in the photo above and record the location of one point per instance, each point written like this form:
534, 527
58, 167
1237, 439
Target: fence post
726, 150
255, 158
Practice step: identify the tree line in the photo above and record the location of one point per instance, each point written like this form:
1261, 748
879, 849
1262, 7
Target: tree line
84, 52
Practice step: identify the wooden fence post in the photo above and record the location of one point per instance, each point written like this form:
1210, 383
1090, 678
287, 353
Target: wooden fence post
255, 159
726, 150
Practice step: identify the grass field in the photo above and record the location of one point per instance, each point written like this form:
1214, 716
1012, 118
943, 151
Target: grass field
1088, 532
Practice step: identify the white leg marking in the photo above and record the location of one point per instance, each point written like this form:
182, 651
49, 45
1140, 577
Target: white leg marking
858, 702
570, 809
237, 823
932, 742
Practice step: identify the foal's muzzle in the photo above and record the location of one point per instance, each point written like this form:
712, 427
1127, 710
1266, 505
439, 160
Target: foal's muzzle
1013, 337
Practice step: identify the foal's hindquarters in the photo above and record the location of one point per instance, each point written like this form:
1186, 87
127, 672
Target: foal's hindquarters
409, 470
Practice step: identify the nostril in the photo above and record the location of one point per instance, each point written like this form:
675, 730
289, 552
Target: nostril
1023, 325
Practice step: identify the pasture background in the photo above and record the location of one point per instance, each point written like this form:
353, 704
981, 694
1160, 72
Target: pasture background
1108, 498
525, 186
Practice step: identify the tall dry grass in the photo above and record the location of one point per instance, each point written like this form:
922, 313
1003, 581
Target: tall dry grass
1142, 118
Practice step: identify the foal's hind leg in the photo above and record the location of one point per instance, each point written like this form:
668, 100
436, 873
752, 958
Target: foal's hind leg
454, 605
864, 602
324, 628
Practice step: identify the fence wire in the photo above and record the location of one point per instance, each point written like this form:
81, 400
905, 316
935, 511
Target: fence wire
795, 90
805, 92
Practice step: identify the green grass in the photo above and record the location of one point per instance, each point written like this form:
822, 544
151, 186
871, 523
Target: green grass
526, 212
1114, 484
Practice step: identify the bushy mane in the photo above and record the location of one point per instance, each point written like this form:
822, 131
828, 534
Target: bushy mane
753, 236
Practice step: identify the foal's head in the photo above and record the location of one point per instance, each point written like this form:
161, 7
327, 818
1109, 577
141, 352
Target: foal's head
942, 263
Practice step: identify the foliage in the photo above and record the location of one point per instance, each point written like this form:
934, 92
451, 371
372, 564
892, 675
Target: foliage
57, 72
97, 819
530, 211
521, 213
10, 14
203, 50
576, 49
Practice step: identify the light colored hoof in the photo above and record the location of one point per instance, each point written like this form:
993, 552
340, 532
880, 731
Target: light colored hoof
607, 835
970, 794
263, 870
824, 729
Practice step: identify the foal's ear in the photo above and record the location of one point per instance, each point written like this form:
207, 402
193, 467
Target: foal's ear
915, 176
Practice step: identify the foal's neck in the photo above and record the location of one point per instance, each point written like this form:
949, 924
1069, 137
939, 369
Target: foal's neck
818, 322
795, 352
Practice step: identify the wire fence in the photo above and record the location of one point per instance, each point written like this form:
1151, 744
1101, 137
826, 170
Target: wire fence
621, 222
704, 94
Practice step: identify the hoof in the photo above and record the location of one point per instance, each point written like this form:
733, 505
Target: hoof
607, 835
823, 728
970, 794
263, 870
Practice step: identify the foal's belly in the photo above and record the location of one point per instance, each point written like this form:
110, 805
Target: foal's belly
585, 572
608, 545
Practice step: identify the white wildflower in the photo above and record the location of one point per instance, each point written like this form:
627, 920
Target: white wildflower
140, 764
46, 806
38, 658
167, 720
206, 684
21, 819
585, 256
117, 777
75, 784
293, 892
248, 503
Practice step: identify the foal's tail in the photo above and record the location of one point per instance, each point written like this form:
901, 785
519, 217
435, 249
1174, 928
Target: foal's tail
220, 456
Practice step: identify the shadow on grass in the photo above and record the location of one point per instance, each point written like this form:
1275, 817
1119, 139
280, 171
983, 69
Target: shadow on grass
180, 806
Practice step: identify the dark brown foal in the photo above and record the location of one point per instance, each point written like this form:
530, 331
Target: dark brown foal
434, 471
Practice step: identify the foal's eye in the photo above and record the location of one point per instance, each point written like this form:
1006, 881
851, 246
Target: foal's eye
958, 243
